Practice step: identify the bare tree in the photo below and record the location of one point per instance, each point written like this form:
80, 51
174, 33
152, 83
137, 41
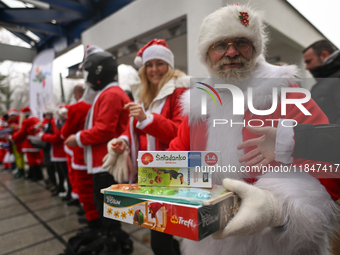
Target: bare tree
5, 95
14, 80
20, 87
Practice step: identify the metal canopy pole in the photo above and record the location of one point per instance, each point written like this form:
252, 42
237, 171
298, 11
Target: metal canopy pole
62, 89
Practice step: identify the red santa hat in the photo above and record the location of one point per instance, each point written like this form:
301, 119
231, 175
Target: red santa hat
26, 110
13, 112
229, 22
155, 49
155, 208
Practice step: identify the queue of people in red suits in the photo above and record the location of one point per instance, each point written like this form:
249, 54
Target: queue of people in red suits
73, 145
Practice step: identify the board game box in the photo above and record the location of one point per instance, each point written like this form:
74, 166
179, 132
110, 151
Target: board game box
186, 212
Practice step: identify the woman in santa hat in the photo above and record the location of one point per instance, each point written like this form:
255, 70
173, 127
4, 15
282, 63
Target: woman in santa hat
156, 115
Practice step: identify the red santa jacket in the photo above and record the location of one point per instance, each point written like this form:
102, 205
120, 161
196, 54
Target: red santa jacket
14, 124
163, 120
27, 128
107, 119
75, 122
57, 143
3, 140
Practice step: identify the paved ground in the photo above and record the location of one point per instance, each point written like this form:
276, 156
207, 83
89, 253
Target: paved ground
32, 222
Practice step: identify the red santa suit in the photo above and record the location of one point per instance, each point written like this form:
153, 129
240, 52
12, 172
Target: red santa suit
58, 155
3, 151
163, 119
75, 122
83, 181
57, 142
16, 147
14, 124
34, 155
307, 202
107, 119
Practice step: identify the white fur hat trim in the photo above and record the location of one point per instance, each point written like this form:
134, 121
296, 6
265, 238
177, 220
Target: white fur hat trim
158, 52
225, 24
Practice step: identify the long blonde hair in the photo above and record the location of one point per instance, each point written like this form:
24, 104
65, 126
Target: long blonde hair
149, 92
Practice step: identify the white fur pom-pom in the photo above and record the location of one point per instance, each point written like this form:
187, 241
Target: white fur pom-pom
79, 74
138, 61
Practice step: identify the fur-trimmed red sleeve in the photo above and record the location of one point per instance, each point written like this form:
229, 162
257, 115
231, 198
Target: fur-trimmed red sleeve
163, 128
182, 141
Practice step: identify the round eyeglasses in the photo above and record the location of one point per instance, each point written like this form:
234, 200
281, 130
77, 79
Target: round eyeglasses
221, 47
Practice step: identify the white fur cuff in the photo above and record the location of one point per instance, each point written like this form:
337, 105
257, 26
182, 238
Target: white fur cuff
144, 123
78, 139
125, 138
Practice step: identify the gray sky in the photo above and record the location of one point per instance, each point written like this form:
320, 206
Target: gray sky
323, 14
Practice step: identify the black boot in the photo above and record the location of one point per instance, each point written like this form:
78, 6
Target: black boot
30, 173
82, 219
93, 226
38, 173
111, 246
67, 198
125, 243
73, 202
19, 173
80, 211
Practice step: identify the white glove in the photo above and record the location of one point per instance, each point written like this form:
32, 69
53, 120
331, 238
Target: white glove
109, 161
121, 169
259, 209
111, 156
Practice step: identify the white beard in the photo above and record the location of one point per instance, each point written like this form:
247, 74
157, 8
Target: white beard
225, 138
217, 71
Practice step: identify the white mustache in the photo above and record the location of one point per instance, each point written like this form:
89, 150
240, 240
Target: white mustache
235, 60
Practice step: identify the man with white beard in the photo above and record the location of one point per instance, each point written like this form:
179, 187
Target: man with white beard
285, 213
